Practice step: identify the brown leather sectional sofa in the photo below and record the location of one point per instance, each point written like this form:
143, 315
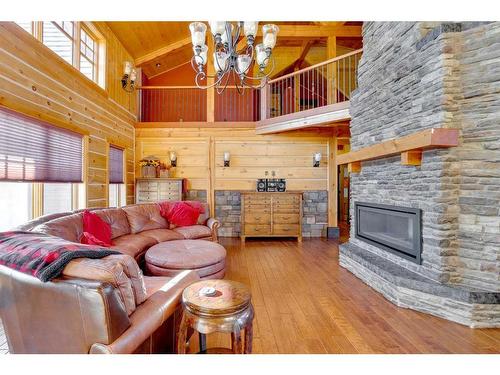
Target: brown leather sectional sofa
101, 305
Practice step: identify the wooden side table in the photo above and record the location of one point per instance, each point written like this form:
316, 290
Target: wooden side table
229, 310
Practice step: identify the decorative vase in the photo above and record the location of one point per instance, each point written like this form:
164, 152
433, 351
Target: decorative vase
148, 171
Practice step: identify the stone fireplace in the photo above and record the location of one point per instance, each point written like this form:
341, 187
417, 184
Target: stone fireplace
416, 76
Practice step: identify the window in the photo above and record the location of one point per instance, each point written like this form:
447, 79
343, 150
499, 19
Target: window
117, 195
88, 55
32, 150
116, 178
16, 201
58, 36
76, 42
57, 198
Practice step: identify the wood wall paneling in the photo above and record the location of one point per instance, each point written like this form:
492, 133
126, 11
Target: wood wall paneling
37, 82
200, 156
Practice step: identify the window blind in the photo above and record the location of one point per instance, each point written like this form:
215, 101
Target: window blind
115, 165
32, 150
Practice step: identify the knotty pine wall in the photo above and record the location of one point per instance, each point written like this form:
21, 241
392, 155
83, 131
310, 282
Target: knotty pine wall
200, 156
38, 83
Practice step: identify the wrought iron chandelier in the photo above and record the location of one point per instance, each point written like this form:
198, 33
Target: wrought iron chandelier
228, 62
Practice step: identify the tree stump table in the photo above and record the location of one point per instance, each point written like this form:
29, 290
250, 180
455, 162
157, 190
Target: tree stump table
217, 306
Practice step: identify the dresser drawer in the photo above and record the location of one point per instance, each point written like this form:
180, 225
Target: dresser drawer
252, 201
169, 186
257, 229
169, 196
258, 218
147, 196
257, 207
290, 199
286, 229
292, 218
286, 208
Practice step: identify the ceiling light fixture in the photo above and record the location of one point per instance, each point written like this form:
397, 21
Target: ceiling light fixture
228, 62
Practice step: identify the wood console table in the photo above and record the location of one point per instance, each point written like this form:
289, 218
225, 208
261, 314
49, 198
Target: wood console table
271, 214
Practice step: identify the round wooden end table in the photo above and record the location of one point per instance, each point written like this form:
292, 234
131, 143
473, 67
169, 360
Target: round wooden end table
217, 306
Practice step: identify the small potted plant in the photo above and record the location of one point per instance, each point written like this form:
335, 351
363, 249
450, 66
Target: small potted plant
149, 167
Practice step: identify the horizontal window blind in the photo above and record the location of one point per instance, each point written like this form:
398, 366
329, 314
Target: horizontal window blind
32, 150
115, 165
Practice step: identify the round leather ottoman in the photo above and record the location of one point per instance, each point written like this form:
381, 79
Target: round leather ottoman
172, 257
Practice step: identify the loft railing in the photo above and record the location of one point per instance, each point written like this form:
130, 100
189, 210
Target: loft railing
323, 84
189, 104
172, 104
326, 83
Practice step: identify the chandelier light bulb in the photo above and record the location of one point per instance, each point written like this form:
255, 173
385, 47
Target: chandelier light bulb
261, 53
220, 61
217, 27
270, 33
198, 33
243, 63
250, 28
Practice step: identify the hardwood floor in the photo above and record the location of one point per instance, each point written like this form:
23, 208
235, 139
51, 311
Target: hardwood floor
306, 303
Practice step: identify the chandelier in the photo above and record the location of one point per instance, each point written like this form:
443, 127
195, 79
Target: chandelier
227, 60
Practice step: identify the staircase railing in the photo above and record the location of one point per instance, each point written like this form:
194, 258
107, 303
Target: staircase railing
326, 83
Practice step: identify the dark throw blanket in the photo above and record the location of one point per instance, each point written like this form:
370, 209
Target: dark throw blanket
41, 255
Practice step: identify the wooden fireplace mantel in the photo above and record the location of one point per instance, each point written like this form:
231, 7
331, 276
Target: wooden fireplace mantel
410, 147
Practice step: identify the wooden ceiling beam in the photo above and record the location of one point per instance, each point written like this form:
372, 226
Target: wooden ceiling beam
286, 31
163, 51
318, 31
305, 50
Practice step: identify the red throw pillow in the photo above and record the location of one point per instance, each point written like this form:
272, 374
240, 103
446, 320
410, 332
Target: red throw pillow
97, 227
182, 214
90, 239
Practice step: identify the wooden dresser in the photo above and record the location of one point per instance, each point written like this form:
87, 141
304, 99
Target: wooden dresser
271, 214
158, 189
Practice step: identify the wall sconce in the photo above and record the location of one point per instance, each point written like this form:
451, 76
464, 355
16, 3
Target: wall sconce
173, 159
316, 159
227, 157
129, 77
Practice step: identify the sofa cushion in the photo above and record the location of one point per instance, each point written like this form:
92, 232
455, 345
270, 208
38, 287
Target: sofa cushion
133, 244
143, 217
97, 227
194, 231
162, 235
134, 273
90, 239
105, 270
68, 227
117, 218
205, 214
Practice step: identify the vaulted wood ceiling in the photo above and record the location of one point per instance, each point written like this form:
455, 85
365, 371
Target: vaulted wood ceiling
161, 46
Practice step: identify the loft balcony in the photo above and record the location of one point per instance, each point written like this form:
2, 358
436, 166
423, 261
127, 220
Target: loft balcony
316, 96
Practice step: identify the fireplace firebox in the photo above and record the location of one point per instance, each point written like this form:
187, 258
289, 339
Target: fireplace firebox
392, 228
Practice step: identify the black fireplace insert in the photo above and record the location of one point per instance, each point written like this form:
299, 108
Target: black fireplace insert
392, 228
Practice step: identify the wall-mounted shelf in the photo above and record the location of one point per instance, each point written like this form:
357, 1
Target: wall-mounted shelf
410, 147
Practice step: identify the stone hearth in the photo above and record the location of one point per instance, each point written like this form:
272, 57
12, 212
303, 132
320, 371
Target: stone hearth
416, 76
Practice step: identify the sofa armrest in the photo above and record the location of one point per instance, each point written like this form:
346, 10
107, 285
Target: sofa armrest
149, 316
91, 310
214, 226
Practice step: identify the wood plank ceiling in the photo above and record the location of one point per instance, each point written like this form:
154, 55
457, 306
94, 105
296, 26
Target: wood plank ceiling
158, 47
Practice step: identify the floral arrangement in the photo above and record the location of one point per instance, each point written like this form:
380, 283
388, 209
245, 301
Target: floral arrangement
149, 163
